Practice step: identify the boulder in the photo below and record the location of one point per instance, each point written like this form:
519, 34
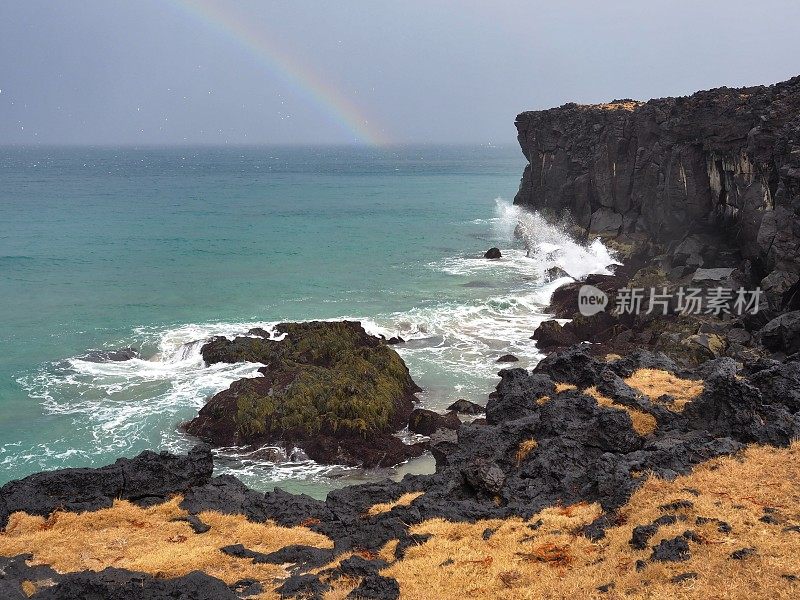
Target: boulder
465, 407
551, 334
507, 358
782, 334
425, 422
493, 253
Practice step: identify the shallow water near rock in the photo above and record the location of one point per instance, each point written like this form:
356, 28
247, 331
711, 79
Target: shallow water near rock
104, 250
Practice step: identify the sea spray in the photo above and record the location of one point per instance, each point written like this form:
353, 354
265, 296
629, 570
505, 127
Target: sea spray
549, 244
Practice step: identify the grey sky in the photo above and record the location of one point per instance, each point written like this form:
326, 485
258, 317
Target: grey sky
156, 72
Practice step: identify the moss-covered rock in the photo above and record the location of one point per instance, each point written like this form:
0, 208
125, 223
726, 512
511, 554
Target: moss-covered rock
321, 381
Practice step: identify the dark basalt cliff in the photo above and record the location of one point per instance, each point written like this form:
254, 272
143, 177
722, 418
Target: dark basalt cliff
725, 161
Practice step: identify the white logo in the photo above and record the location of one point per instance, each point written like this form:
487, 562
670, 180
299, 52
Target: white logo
591, 300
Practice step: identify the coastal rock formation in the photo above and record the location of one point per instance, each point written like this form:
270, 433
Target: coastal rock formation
328, 387
146, 479
677, 172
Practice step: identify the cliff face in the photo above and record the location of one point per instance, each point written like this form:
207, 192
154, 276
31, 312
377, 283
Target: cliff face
720, 162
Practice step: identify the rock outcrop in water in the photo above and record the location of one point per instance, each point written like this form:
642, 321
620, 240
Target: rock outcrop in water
328, 387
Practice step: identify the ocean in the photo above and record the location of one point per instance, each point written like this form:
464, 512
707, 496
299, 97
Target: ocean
157, 249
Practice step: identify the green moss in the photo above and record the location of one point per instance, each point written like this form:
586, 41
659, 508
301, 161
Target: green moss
325, 376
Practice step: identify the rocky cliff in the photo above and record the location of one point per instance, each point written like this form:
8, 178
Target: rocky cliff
720, 162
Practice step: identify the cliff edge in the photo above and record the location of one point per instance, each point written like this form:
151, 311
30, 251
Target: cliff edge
724, 162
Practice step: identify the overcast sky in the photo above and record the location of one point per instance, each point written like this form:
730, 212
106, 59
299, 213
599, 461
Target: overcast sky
182, 71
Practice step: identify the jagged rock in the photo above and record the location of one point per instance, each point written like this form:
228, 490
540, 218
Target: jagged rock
554, 273
425, 421
642, 359
465, 407
780, 384
493, 253
148, 478
484, 476
551, 334
573, 365
515, 394
782, 334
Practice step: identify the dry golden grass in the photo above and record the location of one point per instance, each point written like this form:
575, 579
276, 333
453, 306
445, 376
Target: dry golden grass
563, 387
643, 423
654, 383
627, 105
611, 357
525, 448
147, 540
403, 500
543, 400
552, 560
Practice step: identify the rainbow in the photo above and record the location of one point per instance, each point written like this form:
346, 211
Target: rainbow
307, 83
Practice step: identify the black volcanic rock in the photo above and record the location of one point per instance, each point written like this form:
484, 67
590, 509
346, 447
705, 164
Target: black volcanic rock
782, 334
465, 407
108, 584
507, 358
667, 170
148, 478
551, 334
425, 421
493, 253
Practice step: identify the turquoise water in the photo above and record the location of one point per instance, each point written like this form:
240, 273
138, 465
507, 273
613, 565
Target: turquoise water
107, 248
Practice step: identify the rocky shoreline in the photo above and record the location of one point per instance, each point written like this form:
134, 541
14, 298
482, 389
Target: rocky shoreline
627, 408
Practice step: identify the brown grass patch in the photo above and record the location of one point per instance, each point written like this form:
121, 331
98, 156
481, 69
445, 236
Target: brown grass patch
552, 560
403, 500
524, 449
626, 105
543, 400
654, 383
643, 423
563, 387
147, 540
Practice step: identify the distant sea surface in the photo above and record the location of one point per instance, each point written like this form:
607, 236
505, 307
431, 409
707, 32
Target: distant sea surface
157, 249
